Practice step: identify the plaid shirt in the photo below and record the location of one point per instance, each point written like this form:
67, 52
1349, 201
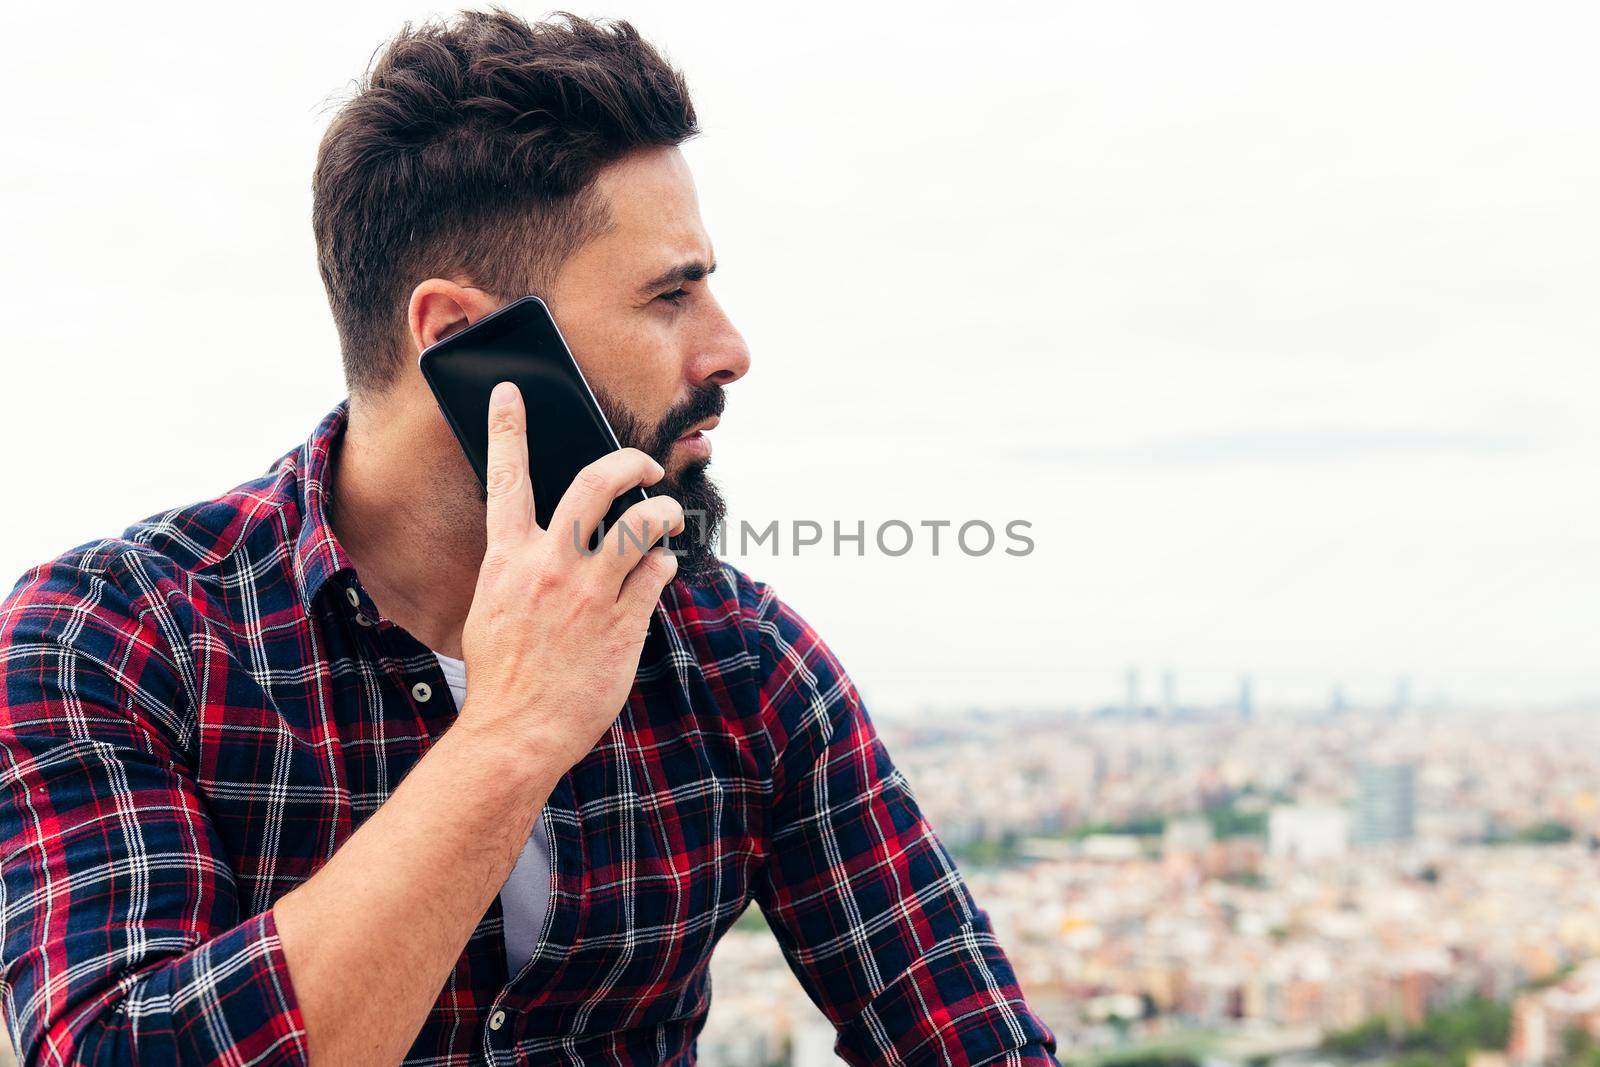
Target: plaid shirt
195, 715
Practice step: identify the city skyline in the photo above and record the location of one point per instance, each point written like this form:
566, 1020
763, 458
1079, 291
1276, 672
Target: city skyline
1243, 695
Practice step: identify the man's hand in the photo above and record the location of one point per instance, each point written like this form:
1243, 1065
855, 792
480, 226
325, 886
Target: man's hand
552, 643
553, 638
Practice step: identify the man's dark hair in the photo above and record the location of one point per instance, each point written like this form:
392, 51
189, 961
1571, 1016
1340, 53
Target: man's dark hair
470, 150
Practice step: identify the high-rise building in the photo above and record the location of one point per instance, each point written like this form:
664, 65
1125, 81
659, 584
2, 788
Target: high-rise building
1386, 811
1402, 694
1247, 702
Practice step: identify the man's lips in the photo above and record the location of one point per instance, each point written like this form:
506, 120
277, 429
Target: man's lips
694, 442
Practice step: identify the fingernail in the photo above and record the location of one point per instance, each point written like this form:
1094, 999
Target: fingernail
501, 395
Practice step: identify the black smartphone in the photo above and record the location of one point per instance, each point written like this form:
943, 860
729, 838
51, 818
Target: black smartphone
566, 429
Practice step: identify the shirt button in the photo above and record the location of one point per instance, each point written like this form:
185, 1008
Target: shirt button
497, 1020
422, 691
351, 595
361, 618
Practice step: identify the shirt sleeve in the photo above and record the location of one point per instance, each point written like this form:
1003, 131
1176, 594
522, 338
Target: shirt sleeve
123, 937
871, 912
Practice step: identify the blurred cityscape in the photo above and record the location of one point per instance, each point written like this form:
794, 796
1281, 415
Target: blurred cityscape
1182, 886
1218, 887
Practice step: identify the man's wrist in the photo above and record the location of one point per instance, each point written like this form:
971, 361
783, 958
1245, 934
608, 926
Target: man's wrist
525, 764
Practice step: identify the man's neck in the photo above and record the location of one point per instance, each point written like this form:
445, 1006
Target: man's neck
415, 555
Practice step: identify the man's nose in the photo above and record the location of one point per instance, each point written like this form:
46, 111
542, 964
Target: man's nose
723, 356
734, 361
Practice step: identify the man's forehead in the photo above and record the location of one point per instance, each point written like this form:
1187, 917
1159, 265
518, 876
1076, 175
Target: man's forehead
648, 185
642, 256
653, 212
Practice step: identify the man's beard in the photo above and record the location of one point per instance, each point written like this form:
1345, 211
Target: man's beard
703, 506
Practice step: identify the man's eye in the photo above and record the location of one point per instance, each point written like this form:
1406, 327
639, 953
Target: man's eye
674, 297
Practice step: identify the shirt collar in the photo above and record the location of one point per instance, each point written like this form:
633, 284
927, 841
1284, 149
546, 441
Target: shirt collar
318, 556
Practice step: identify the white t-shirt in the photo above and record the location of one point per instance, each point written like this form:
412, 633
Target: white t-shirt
526, 895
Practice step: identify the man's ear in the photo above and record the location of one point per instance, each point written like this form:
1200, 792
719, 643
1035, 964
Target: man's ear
440, 307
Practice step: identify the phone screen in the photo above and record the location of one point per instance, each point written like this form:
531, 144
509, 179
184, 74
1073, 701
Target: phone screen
566, 428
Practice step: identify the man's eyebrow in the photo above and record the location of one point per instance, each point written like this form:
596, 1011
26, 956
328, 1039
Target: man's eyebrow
692, 271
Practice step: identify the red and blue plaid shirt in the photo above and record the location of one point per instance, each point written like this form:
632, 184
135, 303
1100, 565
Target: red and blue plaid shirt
195, 715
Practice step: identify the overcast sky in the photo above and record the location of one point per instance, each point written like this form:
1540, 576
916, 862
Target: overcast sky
1277, 321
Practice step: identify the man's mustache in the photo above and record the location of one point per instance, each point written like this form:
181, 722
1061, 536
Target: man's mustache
707, 401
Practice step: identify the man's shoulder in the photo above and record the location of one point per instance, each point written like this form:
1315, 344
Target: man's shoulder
730, 600
733, 610
172, 554
753, 646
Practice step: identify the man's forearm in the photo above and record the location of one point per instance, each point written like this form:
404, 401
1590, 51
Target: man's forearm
372, 937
